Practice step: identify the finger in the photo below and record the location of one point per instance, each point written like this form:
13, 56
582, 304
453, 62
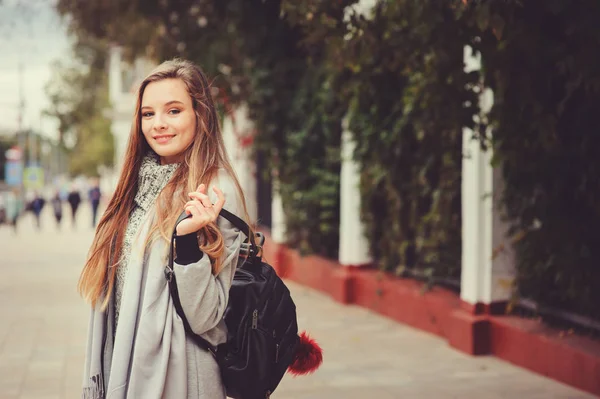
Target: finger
198, 195
201, 210
202, 198
201, 188
220, 199
192, 210
199, 216
193, 202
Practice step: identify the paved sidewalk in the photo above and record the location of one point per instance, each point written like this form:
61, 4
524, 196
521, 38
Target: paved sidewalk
43, 327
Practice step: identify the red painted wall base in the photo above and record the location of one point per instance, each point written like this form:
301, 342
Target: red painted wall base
474, 329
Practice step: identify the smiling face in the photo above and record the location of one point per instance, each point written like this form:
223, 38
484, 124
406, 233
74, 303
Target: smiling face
168, 119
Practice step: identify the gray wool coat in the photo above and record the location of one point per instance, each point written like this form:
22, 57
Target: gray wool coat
151, 356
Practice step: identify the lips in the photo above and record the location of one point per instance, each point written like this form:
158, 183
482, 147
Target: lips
163, 138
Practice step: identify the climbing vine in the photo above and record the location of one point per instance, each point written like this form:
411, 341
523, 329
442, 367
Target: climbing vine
545, 73
397, 73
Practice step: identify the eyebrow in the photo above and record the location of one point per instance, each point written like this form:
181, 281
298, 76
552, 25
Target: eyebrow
167, 104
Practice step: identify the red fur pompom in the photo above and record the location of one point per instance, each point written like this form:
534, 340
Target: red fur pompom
308, 356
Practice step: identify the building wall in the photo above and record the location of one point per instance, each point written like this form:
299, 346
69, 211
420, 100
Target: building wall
124, 79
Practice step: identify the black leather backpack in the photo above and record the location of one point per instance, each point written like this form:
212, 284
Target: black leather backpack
263, 340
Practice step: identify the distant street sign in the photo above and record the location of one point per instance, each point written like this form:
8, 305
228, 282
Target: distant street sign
33, 178
13, 173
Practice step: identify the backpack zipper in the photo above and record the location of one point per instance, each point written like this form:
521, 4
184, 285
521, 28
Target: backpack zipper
255, 319
276, 353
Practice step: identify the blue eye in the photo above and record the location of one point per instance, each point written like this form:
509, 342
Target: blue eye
175, 111
147, 114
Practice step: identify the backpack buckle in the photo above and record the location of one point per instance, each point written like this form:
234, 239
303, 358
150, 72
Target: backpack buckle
261, 239
259, 251
247, 250
259, 244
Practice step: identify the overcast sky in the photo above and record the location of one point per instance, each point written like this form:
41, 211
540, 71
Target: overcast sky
31, 32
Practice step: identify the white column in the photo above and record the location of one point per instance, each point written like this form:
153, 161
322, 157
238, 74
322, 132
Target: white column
476, 220
354, 247
236, 126
115, 79
122, 110
503, 262
484, 278
120, 129
278, 230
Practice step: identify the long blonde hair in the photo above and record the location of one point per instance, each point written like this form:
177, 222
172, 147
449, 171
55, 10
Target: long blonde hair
201, 163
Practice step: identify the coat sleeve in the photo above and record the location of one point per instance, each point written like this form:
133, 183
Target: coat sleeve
204, 296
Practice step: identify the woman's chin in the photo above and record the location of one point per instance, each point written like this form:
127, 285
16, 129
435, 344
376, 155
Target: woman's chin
167, 157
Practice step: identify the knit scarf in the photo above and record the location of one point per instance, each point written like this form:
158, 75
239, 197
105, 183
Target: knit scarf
153, 177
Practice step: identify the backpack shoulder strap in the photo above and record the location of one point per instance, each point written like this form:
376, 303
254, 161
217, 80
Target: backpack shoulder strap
236, 221
171, 279
233, 219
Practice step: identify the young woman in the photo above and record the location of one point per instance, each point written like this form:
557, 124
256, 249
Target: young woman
175, 162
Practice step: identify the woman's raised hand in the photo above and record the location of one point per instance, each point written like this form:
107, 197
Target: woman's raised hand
203, 211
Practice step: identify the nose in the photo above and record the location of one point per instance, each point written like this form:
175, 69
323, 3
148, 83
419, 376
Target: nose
159, 122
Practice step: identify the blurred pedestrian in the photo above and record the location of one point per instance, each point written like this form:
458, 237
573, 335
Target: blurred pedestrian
14, 207
176, 144
37, 204
2, 210
94, 196
74, 199
57, 207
